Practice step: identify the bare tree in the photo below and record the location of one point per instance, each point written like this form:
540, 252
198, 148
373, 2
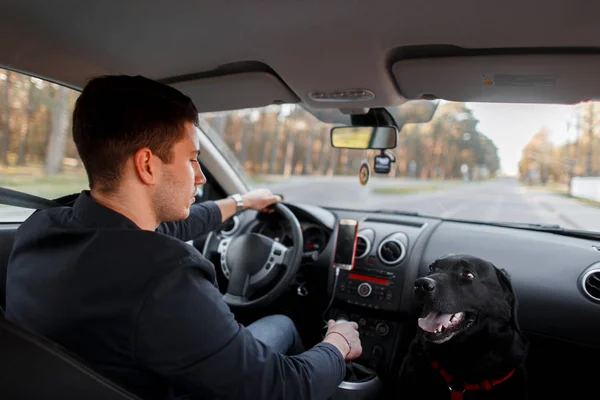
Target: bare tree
28, 126
590, 133
57, 141
279, 130
5, 133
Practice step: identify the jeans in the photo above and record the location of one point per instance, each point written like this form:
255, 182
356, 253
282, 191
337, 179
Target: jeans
278, 332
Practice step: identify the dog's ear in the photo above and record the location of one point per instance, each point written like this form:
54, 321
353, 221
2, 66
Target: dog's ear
505, 282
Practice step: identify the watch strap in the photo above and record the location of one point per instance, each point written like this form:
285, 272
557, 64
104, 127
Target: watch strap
238, 201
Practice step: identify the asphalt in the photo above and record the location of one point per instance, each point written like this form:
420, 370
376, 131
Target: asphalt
501, 200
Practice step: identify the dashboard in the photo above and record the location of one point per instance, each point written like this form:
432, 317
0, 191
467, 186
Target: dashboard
546, 269
556, 278
315, 236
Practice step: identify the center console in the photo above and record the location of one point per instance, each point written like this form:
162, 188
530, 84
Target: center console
360, 383
377, 336
370, 295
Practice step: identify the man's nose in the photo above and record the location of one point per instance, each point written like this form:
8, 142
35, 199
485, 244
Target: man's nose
200, 178
424, 286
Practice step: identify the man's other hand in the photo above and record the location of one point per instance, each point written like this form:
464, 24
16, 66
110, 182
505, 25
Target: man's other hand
259, 199
344, 336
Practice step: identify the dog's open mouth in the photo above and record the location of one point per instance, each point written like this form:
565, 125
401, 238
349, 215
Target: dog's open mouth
440, 327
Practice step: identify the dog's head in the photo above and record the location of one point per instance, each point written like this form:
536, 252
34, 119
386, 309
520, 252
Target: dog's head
463, 294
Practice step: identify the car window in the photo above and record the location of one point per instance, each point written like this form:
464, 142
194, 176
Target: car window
37, 152
484, 162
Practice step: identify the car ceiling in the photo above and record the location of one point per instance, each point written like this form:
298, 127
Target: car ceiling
309, 45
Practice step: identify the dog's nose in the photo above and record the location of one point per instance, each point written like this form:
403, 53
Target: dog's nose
424, 285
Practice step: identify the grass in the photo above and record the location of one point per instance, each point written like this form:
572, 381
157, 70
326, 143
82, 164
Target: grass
257, 179
33, 181
558, 188
584, 201
405, 189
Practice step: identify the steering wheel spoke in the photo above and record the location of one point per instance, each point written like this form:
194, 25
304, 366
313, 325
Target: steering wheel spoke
280, 254
287, 258
222, 250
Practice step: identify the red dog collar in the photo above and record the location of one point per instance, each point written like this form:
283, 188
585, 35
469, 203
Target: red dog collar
457, 394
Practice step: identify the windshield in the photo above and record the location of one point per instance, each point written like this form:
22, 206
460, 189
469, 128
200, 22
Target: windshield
516, 163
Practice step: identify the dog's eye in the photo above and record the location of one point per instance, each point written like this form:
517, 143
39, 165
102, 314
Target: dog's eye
468, 274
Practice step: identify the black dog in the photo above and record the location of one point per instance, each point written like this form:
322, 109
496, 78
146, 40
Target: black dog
468, 344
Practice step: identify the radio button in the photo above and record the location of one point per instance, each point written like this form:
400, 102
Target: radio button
382, 329
377, 351
364, 289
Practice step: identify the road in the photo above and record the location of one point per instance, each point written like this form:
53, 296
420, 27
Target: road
502, 200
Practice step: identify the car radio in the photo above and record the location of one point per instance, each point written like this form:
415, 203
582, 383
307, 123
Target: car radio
368, 287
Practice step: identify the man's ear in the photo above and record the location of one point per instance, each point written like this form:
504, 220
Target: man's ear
143, 161
504, 279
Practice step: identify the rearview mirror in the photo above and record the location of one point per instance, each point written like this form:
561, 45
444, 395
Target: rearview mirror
364, 137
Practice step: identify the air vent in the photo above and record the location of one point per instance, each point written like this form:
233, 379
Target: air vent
230, 225
363, 246
590, 283
391, 251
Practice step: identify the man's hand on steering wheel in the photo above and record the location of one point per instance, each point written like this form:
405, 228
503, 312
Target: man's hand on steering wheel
260, 199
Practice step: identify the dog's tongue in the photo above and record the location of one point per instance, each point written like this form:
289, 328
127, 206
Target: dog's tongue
434, 319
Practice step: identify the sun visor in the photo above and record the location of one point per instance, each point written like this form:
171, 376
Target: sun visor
501, 78
236, 91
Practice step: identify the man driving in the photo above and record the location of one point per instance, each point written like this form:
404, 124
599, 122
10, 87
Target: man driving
112, 279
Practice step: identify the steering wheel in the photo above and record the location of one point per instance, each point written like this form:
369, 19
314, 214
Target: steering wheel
252, 261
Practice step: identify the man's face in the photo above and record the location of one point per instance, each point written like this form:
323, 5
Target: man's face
179, 180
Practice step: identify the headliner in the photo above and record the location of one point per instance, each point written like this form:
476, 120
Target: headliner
310, 45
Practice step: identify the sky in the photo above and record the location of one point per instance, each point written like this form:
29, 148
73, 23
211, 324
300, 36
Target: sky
511, 126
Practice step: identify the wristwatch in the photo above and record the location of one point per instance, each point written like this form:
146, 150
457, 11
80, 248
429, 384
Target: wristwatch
239, 202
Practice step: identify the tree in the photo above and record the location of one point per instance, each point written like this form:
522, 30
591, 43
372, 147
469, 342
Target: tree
58, 133
5, 132
289, 140
539, 159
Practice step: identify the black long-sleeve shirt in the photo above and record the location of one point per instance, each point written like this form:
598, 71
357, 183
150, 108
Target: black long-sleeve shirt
143, 308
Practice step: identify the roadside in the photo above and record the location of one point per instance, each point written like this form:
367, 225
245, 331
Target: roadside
33, 181
581, 213
563, 190
399, 190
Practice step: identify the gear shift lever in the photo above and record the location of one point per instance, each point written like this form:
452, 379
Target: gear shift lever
349, 364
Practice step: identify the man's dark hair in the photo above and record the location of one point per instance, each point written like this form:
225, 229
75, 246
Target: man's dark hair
115, 116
